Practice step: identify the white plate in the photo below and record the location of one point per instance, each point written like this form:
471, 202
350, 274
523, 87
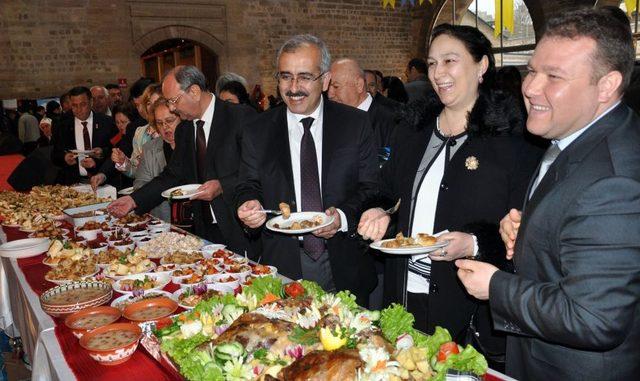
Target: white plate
132, 299
24, 248
125, 191
413, 250
188, 190
162, 279
300, 216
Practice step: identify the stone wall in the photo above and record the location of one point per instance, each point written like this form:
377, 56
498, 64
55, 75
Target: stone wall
51, 45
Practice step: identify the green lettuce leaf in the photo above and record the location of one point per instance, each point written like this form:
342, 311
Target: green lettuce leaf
394, 321
348, 299
469, 360
313, 289
431, 342
194, 365
264, 285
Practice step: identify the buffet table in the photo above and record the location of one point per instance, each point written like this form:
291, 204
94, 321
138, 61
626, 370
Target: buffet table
53, 351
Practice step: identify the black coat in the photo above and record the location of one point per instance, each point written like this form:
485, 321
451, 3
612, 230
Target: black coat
469, 200
383, 122
64, 139
348, 182
223, 158
573, 307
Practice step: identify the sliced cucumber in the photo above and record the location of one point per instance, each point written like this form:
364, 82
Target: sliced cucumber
227, 351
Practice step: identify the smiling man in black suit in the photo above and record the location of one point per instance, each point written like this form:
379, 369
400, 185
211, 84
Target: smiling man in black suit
315, 155
573, 307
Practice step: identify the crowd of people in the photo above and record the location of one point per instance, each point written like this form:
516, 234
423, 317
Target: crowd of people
542, 261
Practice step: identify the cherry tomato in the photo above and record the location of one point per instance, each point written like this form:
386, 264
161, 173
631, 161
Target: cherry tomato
294, 289
447, 349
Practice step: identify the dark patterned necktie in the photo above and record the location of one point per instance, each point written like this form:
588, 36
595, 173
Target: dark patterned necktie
85, 136
201, 149
310, 187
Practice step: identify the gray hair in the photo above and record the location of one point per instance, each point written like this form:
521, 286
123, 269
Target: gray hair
187, 76
300, 40
104, 89
229, 77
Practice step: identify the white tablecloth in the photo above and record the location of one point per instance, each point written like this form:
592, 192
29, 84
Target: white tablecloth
22, 316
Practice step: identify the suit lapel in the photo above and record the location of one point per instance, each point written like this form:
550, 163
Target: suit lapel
279, 140
215, 133
329, 142
190, 144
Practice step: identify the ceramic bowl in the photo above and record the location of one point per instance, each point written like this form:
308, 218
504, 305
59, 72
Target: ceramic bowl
117, 353
91, 318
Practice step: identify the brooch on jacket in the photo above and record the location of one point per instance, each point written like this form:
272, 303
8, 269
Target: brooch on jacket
472, 163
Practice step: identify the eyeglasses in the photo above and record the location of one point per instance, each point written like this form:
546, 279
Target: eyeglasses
173, 101
302, 79
167, 122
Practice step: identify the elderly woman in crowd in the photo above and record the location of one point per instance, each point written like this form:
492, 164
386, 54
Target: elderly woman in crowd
157, 152
459, 163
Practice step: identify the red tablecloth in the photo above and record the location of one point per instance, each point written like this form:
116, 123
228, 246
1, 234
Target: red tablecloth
141, 366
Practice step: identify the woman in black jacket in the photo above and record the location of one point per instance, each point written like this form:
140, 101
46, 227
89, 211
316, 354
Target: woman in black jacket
459, 162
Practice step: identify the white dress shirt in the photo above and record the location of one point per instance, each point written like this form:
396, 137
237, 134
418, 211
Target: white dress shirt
296, 130
78, 127
207, 118
366, 103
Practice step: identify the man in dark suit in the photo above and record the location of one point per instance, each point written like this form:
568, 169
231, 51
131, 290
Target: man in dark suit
315, 155
373, 80
348, 86
573, 306
85, 131
207, 153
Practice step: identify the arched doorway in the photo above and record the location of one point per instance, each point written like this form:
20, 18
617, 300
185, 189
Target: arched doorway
156, 61
510, 48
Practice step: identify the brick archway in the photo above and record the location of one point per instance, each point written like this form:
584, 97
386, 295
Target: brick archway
183, 32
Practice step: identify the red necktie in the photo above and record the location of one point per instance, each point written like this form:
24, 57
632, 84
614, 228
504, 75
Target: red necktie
85, 136
310, 187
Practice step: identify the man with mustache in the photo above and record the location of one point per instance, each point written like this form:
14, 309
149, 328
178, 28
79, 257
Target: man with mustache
315, 155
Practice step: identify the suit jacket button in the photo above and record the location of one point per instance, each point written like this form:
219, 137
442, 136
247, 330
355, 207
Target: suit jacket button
433, 289
444, 186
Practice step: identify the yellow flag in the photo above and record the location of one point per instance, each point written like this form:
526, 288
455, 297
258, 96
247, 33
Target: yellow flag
630, 5
507, 14
388, 2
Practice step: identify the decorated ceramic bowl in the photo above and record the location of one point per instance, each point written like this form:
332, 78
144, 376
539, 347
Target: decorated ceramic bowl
112, 344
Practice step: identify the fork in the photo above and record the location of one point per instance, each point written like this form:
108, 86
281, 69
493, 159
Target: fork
270, 211
394, 208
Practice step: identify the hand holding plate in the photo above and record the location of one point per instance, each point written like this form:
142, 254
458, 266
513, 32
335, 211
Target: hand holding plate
331, 229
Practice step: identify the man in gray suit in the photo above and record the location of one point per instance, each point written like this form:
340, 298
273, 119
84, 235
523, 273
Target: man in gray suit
573, 306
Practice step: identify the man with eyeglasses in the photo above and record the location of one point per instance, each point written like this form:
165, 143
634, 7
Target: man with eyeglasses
206, 153
315, 155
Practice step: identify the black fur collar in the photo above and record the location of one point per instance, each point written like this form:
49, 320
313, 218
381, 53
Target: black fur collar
494, 113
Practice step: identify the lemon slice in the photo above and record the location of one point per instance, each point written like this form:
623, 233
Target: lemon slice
331, 342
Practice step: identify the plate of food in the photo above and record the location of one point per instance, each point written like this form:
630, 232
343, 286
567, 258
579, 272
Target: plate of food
181, 192
124, 300
141, 282
421, 244
190, 296
125, 191
299, 223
